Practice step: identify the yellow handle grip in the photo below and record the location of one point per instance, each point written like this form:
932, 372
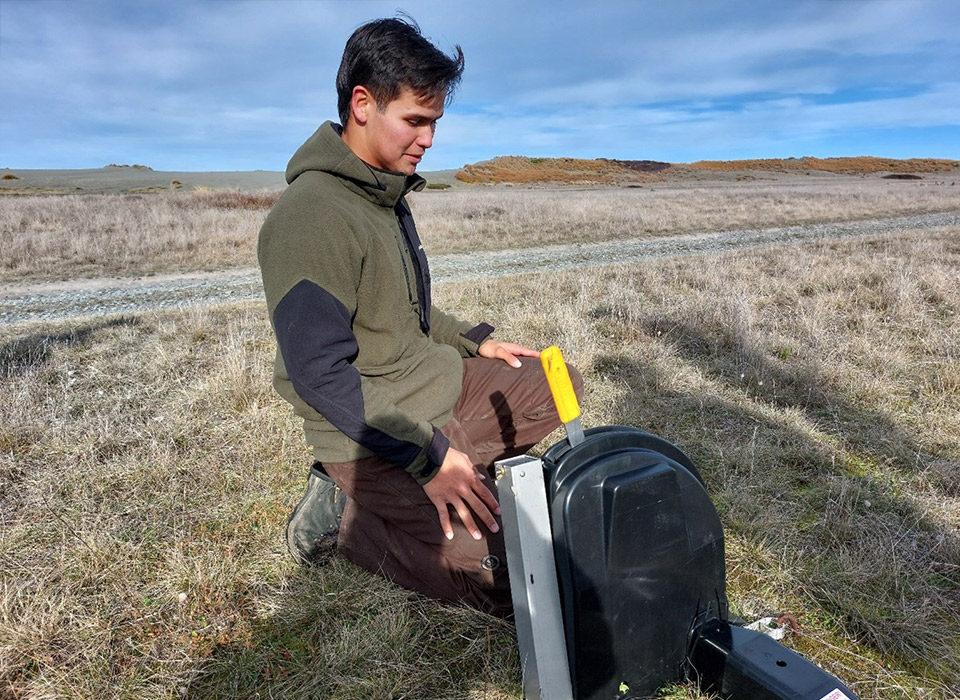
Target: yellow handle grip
560, 385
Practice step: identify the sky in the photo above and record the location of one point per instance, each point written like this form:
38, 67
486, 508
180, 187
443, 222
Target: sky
223, 85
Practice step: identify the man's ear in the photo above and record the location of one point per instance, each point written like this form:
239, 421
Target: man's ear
361, 102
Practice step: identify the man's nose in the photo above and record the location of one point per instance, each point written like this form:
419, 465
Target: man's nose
425, 137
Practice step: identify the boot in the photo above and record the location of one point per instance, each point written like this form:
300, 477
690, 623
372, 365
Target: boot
314, 524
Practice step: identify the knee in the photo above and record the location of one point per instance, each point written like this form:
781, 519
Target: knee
575, 378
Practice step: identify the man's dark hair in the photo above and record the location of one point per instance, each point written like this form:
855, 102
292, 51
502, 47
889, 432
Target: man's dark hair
387, 55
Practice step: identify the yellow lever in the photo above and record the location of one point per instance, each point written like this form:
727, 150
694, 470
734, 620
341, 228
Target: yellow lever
563, 395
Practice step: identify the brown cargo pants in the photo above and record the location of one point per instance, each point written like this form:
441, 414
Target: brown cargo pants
390, 526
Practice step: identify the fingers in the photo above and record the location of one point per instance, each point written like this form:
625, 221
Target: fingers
462, 508
508, 357
476, 500
484, 504
444, 520
467, 519
489, 500
508, 352
520, 350
459, 484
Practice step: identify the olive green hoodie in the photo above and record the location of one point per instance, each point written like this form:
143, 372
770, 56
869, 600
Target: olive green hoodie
365, 361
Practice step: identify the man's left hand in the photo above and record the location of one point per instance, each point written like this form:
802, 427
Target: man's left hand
508, 352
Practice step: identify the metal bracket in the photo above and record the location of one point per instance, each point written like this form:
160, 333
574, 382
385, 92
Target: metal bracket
533, 579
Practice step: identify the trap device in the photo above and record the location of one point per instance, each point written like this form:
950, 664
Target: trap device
617, 571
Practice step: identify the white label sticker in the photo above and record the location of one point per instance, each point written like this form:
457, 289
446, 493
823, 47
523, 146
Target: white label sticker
836, 695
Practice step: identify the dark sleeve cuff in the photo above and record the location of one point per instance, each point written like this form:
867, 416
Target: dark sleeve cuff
478, 333
436, 453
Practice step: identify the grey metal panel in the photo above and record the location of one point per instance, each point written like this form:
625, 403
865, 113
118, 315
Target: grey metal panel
533, 579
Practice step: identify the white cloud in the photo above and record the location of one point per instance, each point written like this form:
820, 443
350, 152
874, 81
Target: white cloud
616, 79
785, 123
802, 47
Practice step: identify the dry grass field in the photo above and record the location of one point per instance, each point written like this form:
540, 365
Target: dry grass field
59, 237
146, 466
463, 220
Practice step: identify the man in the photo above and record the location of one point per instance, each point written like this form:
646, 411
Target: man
406, 407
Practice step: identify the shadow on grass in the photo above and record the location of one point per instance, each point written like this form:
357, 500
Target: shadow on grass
718, 353
32, 351
844, 535
338, 631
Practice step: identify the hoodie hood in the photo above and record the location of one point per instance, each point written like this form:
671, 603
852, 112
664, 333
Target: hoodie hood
326, 152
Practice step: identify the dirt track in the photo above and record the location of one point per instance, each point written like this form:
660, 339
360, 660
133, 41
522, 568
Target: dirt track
26, 303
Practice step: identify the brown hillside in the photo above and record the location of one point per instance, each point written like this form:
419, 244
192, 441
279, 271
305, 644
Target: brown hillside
844, 166
573, 171
523, 170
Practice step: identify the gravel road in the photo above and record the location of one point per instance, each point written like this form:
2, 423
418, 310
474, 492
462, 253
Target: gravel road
25, 303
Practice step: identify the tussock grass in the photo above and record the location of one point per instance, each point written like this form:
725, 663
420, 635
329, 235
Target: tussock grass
146, 470
70, 236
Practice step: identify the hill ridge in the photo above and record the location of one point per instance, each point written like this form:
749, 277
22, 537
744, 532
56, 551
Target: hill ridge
524, 169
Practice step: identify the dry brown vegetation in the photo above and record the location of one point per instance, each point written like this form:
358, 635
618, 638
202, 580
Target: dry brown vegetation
471, 219
524, 170
520, 169
845, 166
92, 235
44, 237
146, 466
230, 199
146, 469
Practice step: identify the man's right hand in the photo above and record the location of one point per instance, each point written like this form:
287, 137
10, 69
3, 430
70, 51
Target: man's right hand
460, 484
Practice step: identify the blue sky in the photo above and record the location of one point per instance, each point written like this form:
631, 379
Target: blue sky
239, 84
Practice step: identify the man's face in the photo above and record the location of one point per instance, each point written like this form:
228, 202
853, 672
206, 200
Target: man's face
397, 137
